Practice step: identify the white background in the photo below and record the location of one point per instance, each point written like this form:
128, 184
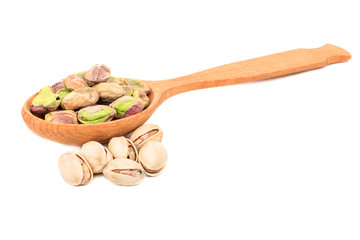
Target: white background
276, 159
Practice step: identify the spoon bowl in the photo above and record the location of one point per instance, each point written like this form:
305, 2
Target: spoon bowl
278, 64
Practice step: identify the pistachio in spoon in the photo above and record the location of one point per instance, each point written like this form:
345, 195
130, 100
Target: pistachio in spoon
127, 106
46, 101
62, 116
96, 114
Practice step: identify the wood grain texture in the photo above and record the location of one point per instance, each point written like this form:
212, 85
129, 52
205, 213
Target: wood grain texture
265, 67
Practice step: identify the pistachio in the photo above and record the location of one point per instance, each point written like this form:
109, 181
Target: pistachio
74, 169
127, 106
58, 86
63, 116
96, 114
119, 81
46, 101
109, 92
143, 96
97, 74
122, 171
96, 155
121, 147
80, 98
123, 83
153, 157
145, 133
81, 74
138, 85
73, 82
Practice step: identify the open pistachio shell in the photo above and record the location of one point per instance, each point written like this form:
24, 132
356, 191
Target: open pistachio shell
80, 98
122, 171
62, 116
121, 147
97, 74
145, 133
153, 158
45, 102
109, 92
127, 106
96, 155
96, 114
74, 169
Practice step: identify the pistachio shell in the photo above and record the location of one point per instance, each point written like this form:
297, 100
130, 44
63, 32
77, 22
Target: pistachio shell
127, 106
74, 169
97, 74
121, 147
96, 155
122, 171
80, 98
153, 158
145, 133
62, 116
96, 114
109, 91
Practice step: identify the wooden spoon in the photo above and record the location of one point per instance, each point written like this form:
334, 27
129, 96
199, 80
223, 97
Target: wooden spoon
270, 66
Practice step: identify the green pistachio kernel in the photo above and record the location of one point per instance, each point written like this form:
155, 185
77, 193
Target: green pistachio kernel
46, 98
121, 108
86, 116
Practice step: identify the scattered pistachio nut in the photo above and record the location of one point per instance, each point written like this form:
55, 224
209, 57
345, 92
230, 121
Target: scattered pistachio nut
145, 133
74, 169
109, 92
97, 74
63, 116
80, 98
96, 114
153, 158
127, 106
121, 147
123, 171
96, 155
46, 101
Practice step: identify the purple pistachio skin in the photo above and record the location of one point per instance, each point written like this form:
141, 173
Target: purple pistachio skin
63, 116
58, 86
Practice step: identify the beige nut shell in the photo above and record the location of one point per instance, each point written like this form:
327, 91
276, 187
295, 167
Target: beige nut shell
71, 170
143, 130
153, 157
119, 147
121, 179
96, 155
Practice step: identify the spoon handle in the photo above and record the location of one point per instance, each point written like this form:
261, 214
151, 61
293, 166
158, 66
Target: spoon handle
274, 65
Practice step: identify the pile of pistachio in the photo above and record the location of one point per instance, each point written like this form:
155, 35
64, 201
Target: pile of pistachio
95, 94
123, 162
